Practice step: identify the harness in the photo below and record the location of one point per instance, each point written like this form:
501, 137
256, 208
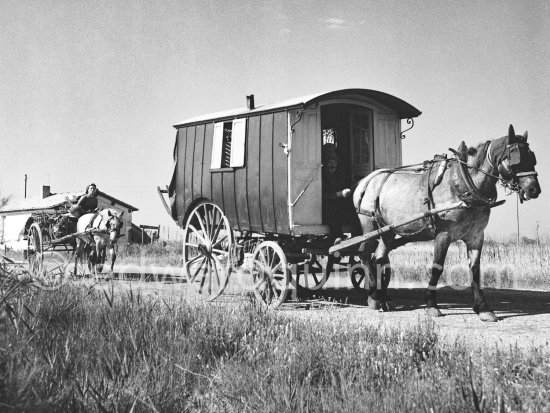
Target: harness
92, 224
462, 181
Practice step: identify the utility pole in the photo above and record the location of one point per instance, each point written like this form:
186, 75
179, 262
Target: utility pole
25, 185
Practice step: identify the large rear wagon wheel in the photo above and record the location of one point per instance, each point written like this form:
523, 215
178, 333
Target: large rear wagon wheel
35, 251
207, 246
271, 274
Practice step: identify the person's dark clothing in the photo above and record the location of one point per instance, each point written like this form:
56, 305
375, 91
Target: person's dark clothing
336, 211
86, 204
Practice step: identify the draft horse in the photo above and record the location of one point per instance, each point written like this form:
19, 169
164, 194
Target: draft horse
96, 232
388, 196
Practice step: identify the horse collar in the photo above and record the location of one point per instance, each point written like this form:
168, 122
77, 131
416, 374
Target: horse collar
467, 190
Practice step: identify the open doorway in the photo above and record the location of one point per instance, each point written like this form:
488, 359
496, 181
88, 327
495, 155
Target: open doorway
349, 128
346, 133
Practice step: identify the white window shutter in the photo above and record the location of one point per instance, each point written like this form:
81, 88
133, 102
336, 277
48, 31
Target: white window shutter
217, 143
238, 143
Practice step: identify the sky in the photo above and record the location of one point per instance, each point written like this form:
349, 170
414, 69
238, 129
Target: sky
89, 90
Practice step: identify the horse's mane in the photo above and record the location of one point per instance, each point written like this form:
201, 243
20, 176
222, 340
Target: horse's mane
478, 153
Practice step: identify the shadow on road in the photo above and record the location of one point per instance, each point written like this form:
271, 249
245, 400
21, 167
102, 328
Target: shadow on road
507, 303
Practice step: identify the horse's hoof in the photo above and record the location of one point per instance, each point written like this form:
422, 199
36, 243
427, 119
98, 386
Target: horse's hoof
488, 316
374, 304
387, 306
434, 312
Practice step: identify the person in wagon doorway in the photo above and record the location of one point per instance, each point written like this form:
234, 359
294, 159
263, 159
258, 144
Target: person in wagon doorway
335, 193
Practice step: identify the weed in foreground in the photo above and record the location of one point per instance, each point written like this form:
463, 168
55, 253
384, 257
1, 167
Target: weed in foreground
94, 350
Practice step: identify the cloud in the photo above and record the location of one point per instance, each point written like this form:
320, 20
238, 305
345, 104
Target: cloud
285, 30
334, 23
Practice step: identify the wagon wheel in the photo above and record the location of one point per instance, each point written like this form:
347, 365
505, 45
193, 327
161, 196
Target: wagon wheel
271, 274
359, 278
312, 274
207, 246
35, 251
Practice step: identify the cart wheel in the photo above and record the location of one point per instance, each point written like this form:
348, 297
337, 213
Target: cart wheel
35, 251
359, 278
312, 276
271, 274
207, 246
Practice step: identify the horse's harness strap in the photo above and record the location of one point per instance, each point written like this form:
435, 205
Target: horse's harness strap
466, 188
427, 168
91, 224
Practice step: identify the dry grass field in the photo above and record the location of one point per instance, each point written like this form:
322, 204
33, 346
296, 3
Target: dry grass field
83, 348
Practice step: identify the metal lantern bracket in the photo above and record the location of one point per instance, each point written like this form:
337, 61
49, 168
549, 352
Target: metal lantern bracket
410, 121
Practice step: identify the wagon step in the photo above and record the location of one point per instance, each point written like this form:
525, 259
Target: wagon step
373, 234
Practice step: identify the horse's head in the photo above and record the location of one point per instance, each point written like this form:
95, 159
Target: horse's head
516, 165
114, 225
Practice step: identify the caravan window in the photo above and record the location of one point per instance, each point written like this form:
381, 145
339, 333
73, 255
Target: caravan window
228, 146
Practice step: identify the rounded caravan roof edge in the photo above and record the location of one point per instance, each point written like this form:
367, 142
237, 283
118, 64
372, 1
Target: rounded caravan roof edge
403, 109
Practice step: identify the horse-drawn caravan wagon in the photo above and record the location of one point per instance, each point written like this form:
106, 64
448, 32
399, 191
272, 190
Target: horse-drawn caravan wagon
250, 180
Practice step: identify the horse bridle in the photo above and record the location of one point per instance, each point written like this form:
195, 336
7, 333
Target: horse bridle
116, 230
510, 156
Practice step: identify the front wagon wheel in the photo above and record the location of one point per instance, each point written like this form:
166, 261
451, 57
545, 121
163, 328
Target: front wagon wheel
207, 246
271, 274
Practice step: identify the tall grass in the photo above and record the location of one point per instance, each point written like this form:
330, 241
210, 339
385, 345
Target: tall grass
504, 264
91, 349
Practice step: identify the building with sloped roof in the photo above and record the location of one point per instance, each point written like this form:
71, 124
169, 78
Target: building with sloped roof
15, 217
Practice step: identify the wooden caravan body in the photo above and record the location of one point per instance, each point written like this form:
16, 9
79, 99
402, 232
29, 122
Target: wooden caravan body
263, 165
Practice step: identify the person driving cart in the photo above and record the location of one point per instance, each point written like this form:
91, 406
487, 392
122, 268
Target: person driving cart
87, 203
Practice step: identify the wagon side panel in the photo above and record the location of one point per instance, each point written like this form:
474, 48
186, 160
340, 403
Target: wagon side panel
387, 142
189, 157
228, 183
241, 197
253, 173
180, 175
280, 172
306, 170
266, 174
207, 155
217, 189
198, 161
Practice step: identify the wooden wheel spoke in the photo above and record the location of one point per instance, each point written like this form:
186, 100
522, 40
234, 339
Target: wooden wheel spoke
277, 267
214, 238
198, 269
216, 263
197, 233
192, 261
207, 222
200, 219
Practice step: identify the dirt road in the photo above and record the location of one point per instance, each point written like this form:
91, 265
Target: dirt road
524, 316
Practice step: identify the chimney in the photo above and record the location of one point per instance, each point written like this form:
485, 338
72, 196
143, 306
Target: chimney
46, 191
250, 102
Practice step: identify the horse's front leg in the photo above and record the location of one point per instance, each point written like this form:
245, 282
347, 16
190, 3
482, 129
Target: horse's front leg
112, 252
380, 278
77, 251
480, 306
441, 246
